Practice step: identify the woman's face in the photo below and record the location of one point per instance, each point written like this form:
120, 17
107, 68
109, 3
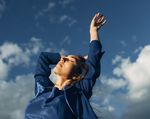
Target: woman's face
66, 66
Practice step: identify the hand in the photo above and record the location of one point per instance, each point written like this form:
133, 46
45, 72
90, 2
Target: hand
97, 21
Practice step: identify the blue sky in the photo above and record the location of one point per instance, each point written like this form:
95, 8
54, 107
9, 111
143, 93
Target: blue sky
28, 27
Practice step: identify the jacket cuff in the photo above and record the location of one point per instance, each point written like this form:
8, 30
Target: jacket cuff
96, 46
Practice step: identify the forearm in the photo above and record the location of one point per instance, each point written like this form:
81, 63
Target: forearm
94, 35
96, 23
45, 59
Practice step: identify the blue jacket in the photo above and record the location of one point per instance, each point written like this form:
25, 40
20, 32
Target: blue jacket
73, 101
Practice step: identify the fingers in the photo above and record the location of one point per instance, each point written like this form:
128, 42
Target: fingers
97, 15
101, 20
104, 21
98, 21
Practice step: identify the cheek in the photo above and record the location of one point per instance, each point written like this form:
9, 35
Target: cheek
68, 70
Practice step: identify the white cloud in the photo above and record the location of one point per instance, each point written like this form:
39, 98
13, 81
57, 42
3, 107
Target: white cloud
66, 41
107, 100
15, 96
8, 49
47, 14
63, 18
42, 12
65, 3
137, 74
126, 94
35, 45
4, 68
51, 5
13, 54
115, 83
138, 50
118, 71
72, 22
116, 59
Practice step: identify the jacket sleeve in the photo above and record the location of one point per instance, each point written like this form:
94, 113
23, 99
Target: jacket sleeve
94, 67
43, 71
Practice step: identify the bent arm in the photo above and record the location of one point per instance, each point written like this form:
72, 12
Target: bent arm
43, 71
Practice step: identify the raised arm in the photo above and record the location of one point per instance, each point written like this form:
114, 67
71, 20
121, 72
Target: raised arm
94, 56
43, 71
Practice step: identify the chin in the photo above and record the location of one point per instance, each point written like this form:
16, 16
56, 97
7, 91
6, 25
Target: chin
56, 71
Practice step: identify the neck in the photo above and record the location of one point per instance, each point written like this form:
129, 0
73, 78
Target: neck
62, 82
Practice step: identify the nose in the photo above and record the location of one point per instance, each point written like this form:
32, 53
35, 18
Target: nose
62, 59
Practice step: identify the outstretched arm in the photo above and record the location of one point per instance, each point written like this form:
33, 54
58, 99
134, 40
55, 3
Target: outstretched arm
95, 48
43, 71
94, 56
96, 23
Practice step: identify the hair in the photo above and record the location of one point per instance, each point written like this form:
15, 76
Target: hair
81, 68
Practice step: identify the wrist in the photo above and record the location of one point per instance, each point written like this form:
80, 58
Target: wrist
93, 30
93, 35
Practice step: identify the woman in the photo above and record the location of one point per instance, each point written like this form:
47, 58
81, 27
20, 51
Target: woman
69, 97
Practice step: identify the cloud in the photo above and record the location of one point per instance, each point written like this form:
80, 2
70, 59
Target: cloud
137, 110
107, 97
65, 3
47, 13
13, 54
125, 95
138, 50
66, 41
15, 93
51, 5
114, 83
116, 59
2, 7
64, 18
137, 74
4, 68
15, 96
34, 46
42, 12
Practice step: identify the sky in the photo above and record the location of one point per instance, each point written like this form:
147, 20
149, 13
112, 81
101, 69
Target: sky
28, 27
